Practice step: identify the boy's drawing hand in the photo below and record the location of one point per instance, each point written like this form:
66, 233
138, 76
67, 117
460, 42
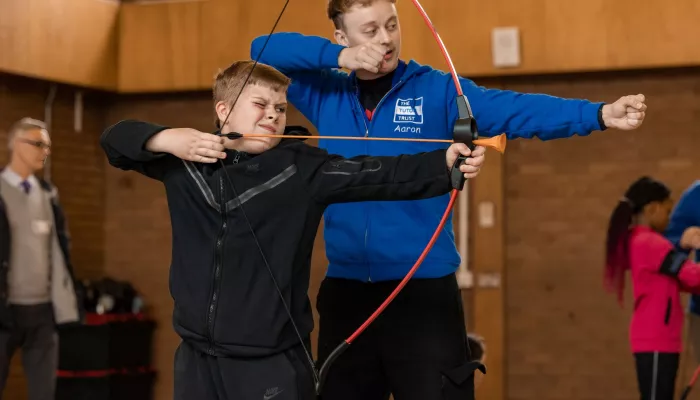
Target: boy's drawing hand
691, 238
472, 165
188, 144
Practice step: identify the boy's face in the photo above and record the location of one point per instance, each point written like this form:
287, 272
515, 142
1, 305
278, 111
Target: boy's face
258, 110
378, 23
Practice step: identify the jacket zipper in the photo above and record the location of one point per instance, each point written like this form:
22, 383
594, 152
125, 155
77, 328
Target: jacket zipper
364, 120
218, 262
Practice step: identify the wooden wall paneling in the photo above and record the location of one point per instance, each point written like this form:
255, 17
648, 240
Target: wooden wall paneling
584, 36
555, 36
417, 41
547, 41
171, 46
569, 31
228, 28
657, 34
159, 46
310, 18
220, 42
74, 42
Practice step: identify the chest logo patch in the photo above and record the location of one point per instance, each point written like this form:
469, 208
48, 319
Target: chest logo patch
409, 111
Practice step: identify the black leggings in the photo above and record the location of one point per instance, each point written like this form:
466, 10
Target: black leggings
656, 375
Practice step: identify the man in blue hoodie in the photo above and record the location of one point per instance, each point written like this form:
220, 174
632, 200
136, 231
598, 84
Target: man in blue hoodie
417, 349
684, 231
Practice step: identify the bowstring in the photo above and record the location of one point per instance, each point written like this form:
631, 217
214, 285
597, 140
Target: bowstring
245, 215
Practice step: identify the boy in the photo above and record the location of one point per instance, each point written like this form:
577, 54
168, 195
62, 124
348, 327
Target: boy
385, 96
239, 342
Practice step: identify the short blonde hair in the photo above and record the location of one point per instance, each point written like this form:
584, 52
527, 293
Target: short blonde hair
229, 82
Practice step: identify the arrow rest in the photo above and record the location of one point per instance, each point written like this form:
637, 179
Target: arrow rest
465, 131
289, 130
230, 135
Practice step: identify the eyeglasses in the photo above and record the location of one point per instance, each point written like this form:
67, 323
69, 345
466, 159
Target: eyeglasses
36, 143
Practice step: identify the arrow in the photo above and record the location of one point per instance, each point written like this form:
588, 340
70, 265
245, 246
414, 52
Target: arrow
497, 143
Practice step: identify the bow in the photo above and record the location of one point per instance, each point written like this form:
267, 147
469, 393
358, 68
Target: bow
464, 131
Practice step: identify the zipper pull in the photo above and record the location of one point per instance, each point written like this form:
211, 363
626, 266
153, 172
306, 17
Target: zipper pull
236, 158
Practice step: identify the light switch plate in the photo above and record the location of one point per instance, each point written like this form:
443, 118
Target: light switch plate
489, 280
487, 214
505, 47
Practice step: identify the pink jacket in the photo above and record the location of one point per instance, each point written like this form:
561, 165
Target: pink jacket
657, 321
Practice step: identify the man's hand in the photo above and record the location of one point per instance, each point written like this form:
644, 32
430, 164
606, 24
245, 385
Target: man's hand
472, 165
626, 113
691, 238
188, 144
368, 56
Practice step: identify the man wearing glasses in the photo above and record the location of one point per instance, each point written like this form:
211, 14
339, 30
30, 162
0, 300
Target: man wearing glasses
36, 279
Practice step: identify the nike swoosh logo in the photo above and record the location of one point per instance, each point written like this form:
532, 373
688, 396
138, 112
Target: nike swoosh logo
266, 397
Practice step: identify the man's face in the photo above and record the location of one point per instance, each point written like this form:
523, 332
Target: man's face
378, 23
31, 148
258, 110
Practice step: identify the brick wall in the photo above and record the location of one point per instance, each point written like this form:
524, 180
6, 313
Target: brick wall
565, 338
77, 169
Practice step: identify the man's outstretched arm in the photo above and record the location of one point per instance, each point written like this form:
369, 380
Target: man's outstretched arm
529, 115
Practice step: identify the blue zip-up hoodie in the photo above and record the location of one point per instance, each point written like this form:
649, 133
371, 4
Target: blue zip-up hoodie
376, 241
685, 214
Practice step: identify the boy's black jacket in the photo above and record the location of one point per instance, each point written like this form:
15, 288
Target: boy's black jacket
226, 303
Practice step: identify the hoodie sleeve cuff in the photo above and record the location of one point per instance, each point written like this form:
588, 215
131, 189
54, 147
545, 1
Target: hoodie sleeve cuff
601, 122
330, 54
130, 138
